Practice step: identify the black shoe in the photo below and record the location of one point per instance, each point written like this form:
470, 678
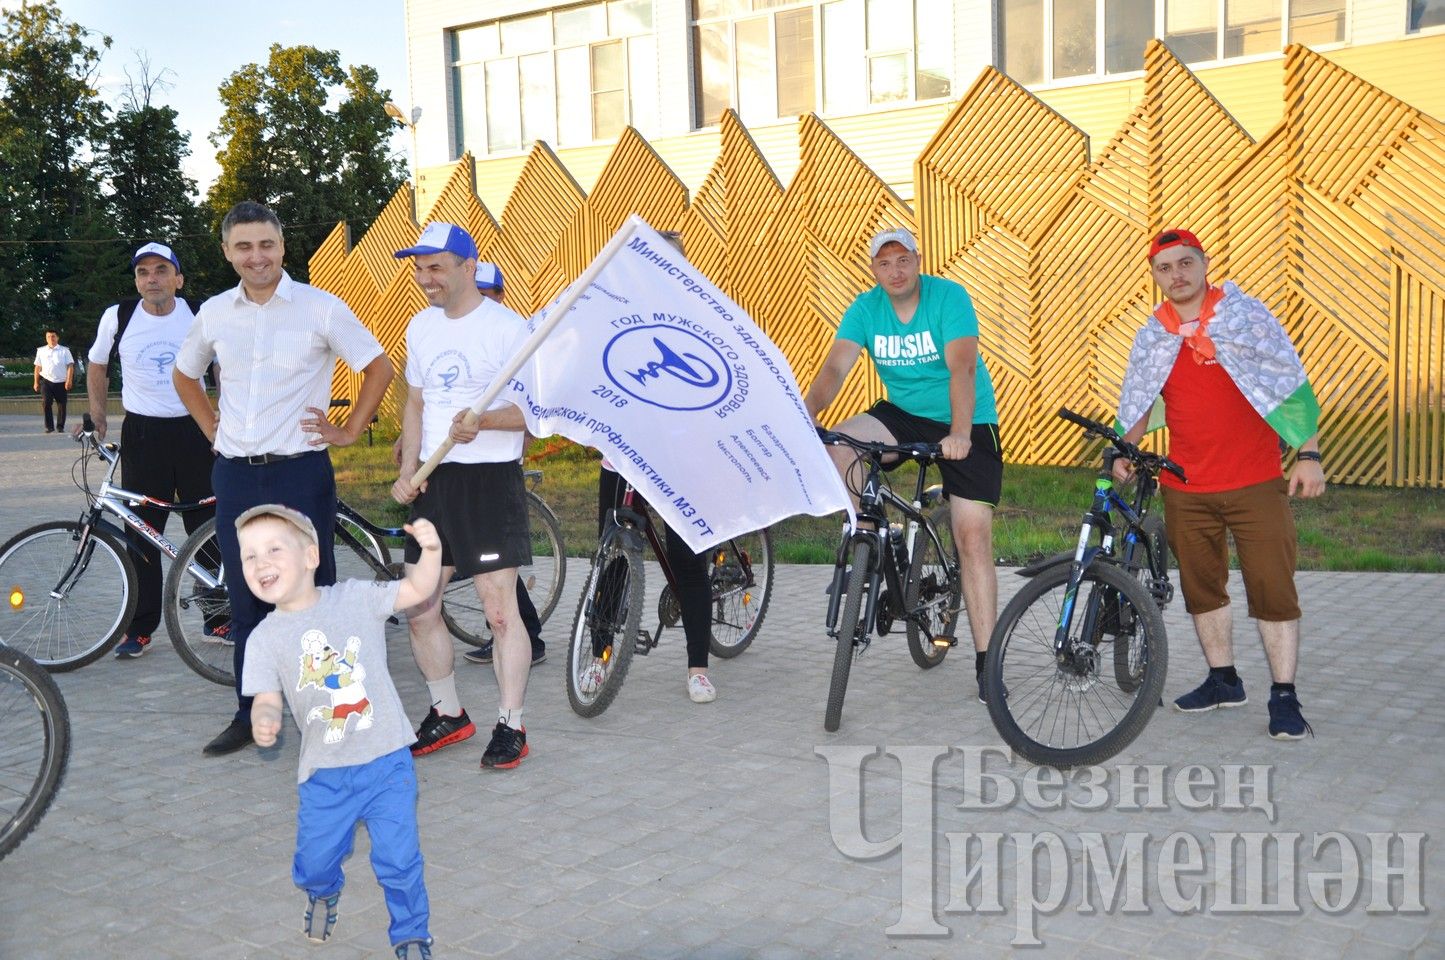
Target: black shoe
482, 654
235, 737
539, 652
983, 690
437, 731
507, 748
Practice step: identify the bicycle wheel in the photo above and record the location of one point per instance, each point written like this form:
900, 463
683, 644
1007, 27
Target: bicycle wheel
198, 617
360, 555
68, 602
462, 611
604, 633
1070, 715
34, 745
741, 575
848, 627
934, 589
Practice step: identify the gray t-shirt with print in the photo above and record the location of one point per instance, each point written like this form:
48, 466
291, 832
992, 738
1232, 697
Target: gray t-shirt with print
329, 661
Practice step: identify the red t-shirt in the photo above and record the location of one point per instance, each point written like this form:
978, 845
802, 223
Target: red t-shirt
1214, 434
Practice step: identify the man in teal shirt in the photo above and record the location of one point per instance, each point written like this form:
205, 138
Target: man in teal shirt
922, 335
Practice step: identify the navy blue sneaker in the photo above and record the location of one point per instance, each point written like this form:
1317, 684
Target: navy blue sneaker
482, 654
132, 647
1212, 694
1285, 720
423, 949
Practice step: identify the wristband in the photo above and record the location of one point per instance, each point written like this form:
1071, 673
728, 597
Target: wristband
1309, 455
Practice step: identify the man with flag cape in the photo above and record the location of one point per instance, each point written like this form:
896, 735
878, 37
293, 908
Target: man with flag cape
1215, 366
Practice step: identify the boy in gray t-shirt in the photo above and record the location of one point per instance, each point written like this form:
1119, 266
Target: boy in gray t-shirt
324, 649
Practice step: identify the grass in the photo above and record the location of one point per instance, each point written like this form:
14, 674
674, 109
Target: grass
1350, 528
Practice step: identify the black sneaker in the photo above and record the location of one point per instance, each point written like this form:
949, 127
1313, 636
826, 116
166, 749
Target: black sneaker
1285, 720
482, 654
983, 690
1212, 694
539, 652
437, 731
507, 748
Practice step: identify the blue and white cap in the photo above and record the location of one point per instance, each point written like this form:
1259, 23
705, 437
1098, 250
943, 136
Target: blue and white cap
156, 250
442, 238
489, 276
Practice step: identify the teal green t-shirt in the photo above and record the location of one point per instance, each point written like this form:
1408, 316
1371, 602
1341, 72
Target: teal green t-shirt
909, 356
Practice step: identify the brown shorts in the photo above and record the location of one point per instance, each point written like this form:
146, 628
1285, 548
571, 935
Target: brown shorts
1262, 525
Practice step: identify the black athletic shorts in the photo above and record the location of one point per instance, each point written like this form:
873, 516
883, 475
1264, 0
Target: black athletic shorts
480, 512
978, 476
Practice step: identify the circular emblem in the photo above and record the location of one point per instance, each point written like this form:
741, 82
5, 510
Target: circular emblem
667, 367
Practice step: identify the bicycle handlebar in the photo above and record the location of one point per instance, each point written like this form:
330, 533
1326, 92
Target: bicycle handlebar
914, 451
1152, 462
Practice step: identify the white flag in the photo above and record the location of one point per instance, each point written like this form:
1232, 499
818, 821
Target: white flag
682, 393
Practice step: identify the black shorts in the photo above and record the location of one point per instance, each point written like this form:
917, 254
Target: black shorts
978, 476
480, 512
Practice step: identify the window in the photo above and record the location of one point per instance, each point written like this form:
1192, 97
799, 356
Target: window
1043, 41
569, 76
774, 59
1426, 13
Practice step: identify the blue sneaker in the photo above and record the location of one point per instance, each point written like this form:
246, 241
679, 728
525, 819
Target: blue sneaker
1285, 720
423, 949
132, 647
482, 654
320, 917
1212, 694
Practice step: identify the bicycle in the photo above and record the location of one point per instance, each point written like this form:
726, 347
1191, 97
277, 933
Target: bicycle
931, 596
48, 613
34, 745
1045, 678
363, 553
607, 629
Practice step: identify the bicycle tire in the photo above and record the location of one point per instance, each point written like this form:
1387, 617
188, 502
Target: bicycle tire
33, 756
80, 627
741, 591
605, 630
462, 611
372, 557
199, 617
1021, 670
1127, 668
928, 585
847, 630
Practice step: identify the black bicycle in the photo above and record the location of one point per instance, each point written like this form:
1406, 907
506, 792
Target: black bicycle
34, 745
363, 552
1076, 663
607, 630
884, 572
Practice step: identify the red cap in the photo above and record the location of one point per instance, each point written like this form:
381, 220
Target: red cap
1174, 238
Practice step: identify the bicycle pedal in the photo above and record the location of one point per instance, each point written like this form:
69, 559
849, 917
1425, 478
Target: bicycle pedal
944, 641
644, 644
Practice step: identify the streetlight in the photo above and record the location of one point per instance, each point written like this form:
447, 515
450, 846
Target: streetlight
396, 113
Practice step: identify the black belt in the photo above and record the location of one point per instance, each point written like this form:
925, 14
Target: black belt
261, 459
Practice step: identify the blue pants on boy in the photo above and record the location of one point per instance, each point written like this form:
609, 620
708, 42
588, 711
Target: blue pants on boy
382, 794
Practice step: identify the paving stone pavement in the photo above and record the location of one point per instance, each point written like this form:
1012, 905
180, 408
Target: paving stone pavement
664, 829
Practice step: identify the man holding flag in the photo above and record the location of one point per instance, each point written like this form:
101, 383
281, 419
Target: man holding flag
1233, 391
476, 496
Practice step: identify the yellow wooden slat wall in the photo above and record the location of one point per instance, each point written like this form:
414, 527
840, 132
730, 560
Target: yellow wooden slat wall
1334, 217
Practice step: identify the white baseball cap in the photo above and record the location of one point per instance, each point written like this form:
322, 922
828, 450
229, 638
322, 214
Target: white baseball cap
897, 235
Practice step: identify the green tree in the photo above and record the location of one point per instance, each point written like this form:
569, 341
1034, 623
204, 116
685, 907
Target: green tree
51, 118
144, 162
279, 142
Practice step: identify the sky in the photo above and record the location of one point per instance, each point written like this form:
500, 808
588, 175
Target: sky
204, 43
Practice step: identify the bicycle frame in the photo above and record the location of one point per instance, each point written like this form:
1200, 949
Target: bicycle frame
872, 500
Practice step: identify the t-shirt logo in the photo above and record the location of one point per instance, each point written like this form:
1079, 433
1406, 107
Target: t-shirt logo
339, 675
910, 346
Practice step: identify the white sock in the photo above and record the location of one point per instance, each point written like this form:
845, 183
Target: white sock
444, 697
512, 718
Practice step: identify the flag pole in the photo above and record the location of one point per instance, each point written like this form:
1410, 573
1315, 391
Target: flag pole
530, 345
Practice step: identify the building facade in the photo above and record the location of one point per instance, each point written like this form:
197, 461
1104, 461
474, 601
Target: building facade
491, 78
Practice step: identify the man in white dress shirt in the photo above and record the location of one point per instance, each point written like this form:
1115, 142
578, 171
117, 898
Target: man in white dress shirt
54, 376
277, 342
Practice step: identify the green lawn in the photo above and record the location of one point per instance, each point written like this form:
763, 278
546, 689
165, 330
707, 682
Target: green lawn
1350, 528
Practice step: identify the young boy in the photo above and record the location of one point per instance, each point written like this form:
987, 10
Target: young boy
324, 649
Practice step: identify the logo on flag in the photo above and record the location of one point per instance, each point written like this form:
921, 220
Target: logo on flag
668, 368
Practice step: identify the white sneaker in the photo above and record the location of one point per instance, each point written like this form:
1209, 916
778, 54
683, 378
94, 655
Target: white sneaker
700, 688
591, 680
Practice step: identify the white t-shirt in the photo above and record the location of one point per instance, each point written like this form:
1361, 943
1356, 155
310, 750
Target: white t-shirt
147, 354
453, 362
52, 362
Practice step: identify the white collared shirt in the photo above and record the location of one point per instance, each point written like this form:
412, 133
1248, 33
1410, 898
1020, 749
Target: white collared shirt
277, 359
148, 350
52, 362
